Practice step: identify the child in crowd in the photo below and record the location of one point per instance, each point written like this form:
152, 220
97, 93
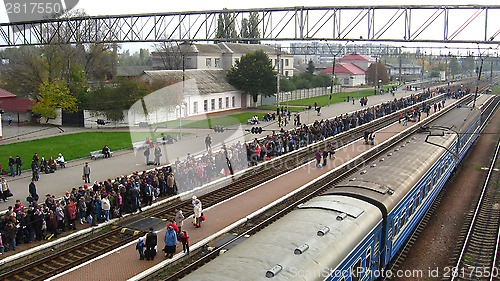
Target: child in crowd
184, 237
140, 247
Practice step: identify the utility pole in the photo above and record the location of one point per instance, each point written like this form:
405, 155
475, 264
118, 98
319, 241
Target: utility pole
400, 65
333, 78
278, 64
376, 75
478, 81
180, 105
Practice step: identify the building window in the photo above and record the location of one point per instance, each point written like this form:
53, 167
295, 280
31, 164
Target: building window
286, 62
205, 105
286, 73
346, 81
220, 103
209, 62
212, 104
217, 62
227, 102
233, 102
195, 107
276, 62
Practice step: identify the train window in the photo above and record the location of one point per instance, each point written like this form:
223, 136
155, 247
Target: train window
410, 209
442, 170
428, 187
357, 271
403, 218
422, 194
417, 201
368, 260
396, 226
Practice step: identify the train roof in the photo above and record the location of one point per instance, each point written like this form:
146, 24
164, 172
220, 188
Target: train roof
389, 178
458, 119
277, 243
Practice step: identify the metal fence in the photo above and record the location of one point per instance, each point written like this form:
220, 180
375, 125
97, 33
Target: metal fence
298, 94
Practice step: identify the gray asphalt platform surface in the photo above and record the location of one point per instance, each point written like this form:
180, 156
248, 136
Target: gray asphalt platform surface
128, 161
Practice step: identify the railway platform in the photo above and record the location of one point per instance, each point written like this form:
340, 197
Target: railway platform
222, 216
128, 161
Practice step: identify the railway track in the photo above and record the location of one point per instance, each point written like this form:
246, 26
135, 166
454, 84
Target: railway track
270, 169
488, 112
315, 189
67, 258
51, 265
477, 258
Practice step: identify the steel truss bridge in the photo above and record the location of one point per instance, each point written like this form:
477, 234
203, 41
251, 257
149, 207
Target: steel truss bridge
444, 23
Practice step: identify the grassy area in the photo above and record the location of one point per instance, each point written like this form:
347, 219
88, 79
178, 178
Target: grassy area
336, 98
496, 90
228, 120
72, 146
272, 108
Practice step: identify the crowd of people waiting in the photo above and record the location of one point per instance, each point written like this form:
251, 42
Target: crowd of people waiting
112, 198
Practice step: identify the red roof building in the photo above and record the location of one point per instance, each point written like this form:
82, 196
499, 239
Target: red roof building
356, 57
347, 74
5, 94
345, 68
16, 105
360, 61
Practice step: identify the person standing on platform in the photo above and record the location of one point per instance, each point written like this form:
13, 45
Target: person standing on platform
149, 192
318, 159
106, 206
170, 242
140, 247
325, 156
151, 242
146, 154
184, 238
34, 170
208, 142
4, 190
19, 164
197, 209
157, 155
12, 162
86, 172
179, 218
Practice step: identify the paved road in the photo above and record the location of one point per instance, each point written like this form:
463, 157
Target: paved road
128, 161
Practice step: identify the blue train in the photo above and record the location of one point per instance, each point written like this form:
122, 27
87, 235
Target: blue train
356, 228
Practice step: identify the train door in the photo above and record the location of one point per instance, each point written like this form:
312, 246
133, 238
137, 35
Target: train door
388, 244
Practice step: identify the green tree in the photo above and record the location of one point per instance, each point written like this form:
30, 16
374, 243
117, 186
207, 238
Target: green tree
454, 66
112, 100
375, 72
310, 67
468, 64
254, 75
54, 95
250, 28
286, 85
226, 26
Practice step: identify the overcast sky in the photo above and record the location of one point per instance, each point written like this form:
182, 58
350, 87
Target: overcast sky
103, 7
117, 7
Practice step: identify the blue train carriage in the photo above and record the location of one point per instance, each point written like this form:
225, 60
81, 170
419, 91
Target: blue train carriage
405, 181
321, 239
